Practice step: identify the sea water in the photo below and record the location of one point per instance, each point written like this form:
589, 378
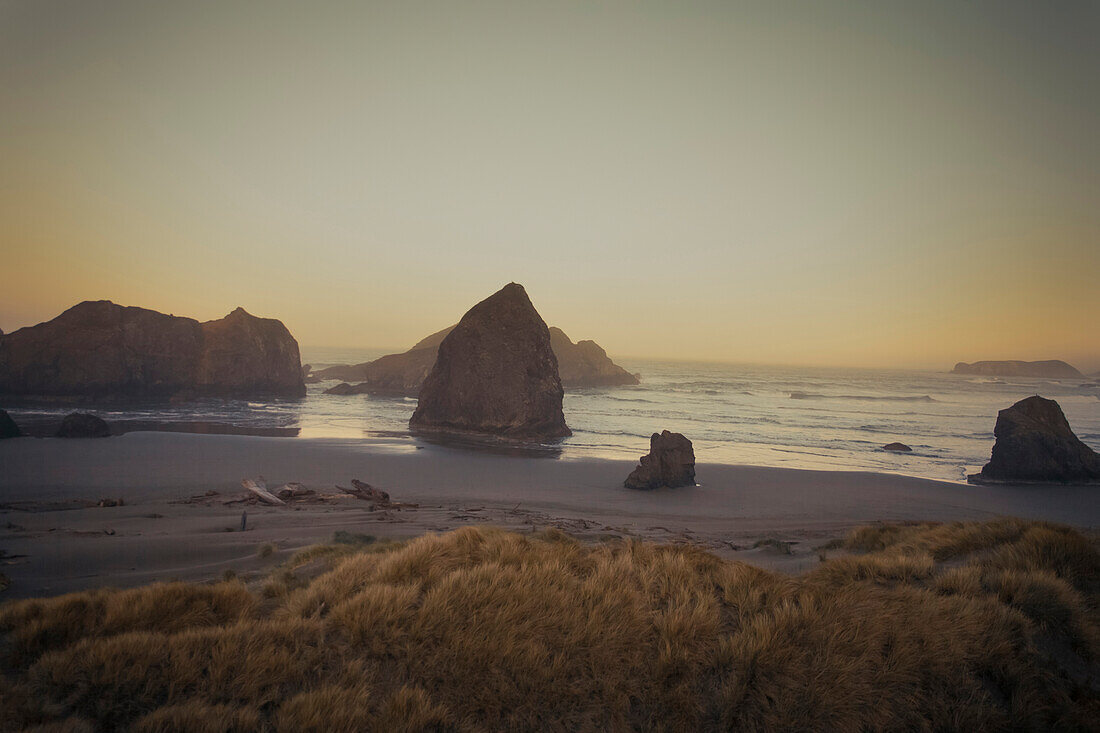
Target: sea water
797, 417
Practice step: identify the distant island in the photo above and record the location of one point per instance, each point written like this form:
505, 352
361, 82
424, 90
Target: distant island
1051, 368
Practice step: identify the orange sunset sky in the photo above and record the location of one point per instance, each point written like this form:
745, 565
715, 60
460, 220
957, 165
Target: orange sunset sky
843, 183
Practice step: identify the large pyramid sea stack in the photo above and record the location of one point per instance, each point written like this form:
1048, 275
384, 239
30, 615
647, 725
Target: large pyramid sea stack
1036, 445
580, 365
495, 374
99, 350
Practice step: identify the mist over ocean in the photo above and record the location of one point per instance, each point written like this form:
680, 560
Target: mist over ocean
797, 417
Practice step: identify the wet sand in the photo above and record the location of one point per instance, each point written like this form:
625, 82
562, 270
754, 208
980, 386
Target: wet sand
55, 540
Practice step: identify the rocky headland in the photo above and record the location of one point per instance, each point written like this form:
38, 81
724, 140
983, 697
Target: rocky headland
398, 375
1053, 368
586, 364
495, 374
100, 350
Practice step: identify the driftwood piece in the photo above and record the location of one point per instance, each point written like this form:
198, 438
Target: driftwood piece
258, 487
371, 493
366, 492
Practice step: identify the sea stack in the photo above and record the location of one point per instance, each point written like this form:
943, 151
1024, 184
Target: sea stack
671, 463
8, 428
1036, 445
246, 355
100, 350
586, 364
580, 365
495, 374
83, 425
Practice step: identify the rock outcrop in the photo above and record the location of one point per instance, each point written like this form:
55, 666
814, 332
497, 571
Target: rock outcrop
244, 355
83, 425
495, 374
897, 447
586, 364
1034, 444
393, 374
1053, 368
342, 389
580, 365
8, 428
99, 350
670, 462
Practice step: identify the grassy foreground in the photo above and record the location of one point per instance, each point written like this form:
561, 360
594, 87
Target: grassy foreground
977, 626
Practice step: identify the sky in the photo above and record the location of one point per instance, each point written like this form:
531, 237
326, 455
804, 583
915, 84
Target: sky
885, 184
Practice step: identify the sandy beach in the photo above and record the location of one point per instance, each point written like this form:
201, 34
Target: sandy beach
56, 540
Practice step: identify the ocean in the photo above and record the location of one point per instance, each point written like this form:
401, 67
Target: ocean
796, 417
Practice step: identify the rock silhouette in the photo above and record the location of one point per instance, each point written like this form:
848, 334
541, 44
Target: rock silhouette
1052, 368
670, 462
8, 428
897, 447
83, 425
580, 365
97, 349
495, 374
586, 364
244, 355
1034, 444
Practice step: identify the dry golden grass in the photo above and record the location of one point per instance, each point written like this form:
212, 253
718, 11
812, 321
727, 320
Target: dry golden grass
978, 626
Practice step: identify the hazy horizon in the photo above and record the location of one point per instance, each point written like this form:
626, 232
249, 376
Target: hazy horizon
841, 184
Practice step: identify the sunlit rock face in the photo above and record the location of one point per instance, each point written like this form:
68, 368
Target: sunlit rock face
101, 350
1036, 445
495, 374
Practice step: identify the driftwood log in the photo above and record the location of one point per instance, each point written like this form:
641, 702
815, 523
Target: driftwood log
258, 487
294, 490
366, 492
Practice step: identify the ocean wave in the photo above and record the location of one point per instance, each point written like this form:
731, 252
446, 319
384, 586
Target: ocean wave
871, 398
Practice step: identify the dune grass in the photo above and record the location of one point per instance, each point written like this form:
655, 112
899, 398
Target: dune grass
976, 626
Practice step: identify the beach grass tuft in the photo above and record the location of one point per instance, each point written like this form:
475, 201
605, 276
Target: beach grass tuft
965, 626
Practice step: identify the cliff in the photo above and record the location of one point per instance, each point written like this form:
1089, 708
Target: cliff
100, 350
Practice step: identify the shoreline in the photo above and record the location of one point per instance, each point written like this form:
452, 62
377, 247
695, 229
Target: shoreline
49, 488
